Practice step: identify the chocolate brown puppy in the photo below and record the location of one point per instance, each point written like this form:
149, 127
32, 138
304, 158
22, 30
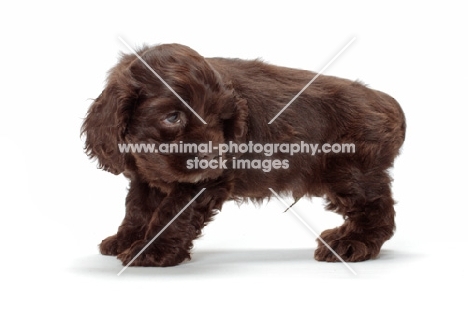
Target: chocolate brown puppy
238, 99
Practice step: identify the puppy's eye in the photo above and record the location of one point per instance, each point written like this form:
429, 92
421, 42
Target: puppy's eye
173, 118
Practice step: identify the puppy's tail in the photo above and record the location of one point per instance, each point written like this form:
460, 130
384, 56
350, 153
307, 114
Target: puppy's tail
403, 122
401, 133
396, 114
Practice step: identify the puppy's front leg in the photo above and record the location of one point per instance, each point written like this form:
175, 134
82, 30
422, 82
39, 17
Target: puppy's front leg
173, 245
140, 204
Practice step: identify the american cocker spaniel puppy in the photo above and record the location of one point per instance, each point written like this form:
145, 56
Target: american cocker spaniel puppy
238, 99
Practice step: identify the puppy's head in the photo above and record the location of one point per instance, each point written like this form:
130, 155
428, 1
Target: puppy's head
138, 107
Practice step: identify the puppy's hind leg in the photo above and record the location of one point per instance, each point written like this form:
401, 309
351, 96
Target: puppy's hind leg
366, 203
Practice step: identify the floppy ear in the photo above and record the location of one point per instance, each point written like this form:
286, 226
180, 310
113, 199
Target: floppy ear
105, 126
234, 117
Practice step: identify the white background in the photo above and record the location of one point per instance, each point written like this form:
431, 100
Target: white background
56, 206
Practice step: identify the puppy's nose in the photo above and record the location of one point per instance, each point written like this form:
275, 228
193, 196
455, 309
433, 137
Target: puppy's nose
207, 156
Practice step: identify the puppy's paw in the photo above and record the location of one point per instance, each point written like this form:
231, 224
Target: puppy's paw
109, 246
153, 256
349, 248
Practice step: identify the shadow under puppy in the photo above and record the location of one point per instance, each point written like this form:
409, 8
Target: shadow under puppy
237, 99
